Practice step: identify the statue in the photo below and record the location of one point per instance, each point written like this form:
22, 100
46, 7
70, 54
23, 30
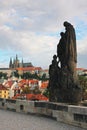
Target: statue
71, 52
63, 81
53, 77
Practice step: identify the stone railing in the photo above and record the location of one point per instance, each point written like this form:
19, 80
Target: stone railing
70, 114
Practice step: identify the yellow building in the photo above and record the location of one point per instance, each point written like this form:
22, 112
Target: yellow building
4, 92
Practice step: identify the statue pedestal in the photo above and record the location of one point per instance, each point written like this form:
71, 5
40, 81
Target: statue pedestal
69, 95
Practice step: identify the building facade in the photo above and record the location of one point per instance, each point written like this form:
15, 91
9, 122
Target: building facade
4, 92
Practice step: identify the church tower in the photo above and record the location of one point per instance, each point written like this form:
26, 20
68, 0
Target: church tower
16, 62
22, 62
10, 63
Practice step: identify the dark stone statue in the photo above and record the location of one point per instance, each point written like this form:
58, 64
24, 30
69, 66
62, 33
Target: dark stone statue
63, 81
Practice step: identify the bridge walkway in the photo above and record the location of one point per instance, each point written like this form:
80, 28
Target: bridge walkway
18, 121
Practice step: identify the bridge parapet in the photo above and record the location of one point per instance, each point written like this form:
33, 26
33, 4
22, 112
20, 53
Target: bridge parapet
70, 114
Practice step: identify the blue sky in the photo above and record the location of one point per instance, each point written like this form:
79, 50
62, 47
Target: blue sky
31, 28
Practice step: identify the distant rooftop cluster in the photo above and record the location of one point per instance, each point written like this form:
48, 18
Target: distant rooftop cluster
15, 65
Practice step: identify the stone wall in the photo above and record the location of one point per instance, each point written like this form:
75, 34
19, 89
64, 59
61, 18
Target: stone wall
70, 114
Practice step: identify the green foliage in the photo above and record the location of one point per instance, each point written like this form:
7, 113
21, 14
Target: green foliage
16, 74
26, 90
46, 93
28, 75
43, 77
3, 75
36, 91
83, 82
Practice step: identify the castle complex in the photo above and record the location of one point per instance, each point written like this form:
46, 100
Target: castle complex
15, 63
22, 67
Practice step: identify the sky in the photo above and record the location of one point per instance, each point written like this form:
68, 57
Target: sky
31, 29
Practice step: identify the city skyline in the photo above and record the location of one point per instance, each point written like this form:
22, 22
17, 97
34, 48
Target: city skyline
32, 30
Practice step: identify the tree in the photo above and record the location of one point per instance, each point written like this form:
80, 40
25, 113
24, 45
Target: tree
4, 75
44, 78
36, 90
46, 93
26, 90
83, 84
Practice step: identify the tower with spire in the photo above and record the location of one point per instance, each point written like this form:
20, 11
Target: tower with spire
16, 63
10, 63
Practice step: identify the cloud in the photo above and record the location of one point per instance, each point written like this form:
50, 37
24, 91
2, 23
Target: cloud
31, 29
42, 15
82, 46
29, 44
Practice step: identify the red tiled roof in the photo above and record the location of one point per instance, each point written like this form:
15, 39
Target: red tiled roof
85, 70
44, 85
2, 87
80, 69
26, 81
15, 97
33, 81
29, 68
8, 84
32, 97
22, 81
36, 96
41, 97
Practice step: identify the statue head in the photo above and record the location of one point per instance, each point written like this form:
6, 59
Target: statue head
54, 57
65, 23
62, 34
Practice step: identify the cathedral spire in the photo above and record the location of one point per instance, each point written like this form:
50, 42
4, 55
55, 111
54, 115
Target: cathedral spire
10, 63
17, 62
16, 57
21, 63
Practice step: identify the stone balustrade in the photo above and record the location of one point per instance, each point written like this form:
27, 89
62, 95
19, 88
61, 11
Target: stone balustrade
70, 114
